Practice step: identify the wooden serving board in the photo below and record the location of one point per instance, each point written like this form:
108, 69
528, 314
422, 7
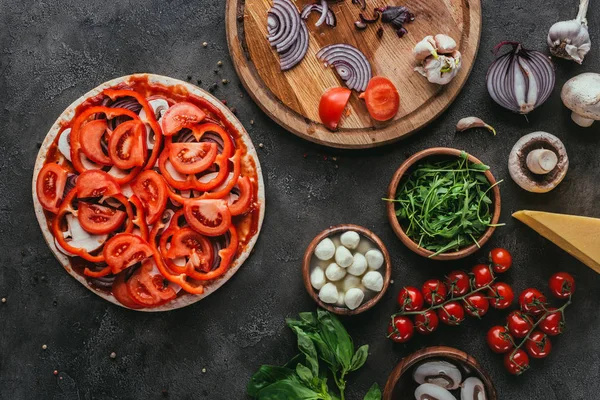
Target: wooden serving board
291, 98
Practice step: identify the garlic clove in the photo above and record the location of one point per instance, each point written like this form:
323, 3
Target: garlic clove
425, 48
473, 122
444, 43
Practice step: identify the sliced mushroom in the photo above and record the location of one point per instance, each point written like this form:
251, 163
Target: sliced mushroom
440, 373
77, 237
64, 146
429, 391
581, 95
472, 389
160, 107
532, 166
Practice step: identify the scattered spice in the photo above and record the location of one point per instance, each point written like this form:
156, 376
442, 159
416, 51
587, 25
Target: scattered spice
199, 82
380, 32
55, 372
44, 347
224, 102
189, 77
335, 166
261, 145
251, 122
165, 393
233, 110
305, 155
203, 370
54, 303
213, 87
4, 299
224, 81
113, 355
334, 158
204, 44
216, 71
219, 63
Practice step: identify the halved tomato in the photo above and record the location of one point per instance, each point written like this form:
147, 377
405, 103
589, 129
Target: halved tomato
50, 186
149, 289
96, 183
207, 216
332, 105
181, 115
200, 130
188, 243
90, 137
242, 204
192, 158
127, 145
382, 98
121, 292
124, 250
151, 189
98, 219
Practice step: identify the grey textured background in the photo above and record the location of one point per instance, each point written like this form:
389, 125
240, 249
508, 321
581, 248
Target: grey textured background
53, 51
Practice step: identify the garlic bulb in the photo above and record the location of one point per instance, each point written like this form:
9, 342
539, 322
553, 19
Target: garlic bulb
571, 39
441, 70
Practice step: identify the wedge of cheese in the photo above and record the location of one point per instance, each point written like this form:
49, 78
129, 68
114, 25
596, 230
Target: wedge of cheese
578, 236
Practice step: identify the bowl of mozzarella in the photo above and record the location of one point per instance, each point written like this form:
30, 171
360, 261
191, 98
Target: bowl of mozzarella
346, 269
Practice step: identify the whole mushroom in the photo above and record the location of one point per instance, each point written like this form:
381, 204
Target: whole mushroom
538, 162
581, 95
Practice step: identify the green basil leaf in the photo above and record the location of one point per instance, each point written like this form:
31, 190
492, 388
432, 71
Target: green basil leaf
310, 318
288, 389
374, 393
304, 374
336, 337
266, 376
360, 357
307, 347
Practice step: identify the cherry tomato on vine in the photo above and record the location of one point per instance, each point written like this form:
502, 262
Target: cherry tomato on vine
426, 322
476, 305
451, 313
516, 363
434, 291
532, 301
538, 345
404, 329
410, 299
458, 283
562, 285
519, 324
482, 275
552, 324
499, 339
501, 260
501, 295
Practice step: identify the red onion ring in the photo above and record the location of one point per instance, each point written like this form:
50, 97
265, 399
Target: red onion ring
70, 185
324, 9
289, 25
350, 63
330, 20
296, 53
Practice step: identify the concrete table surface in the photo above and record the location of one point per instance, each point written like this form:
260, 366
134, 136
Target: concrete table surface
53, 51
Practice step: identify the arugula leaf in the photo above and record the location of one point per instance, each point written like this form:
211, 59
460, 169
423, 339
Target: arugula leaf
360, 357
374, 393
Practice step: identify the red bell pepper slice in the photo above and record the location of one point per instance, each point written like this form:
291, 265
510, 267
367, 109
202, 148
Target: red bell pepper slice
242, 204
140, 217
199, 130
227, 254
221, 193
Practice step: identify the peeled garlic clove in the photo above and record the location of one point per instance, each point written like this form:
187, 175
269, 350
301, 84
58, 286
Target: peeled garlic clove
358, 266
373, 281
350, 239
343, 257
334, 272
374, 259
317, 278
472, 389
328, 293
429, 391
440, 373
473, 122
354, 298
325, 249
425, 48
445, 44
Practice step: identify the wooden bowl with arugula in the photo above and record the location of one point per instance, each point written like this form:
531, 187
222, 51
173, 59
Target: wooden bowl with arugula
443, 203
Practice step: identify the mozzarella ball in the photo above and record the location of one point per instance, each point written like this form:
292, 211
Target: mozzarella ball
374, 259
334, 272
328, 293
354, 298
340, 299
350, 239
373, 281
343, 257
359, 265
351, 281
325, 249
317, 278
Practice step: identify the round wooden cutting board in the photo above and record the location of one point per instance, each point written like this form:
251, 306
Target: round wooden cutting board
291, 98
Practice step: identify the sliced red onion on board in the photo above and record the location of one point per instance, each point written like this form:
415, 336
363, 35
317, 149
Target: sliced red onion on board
330, 19
324, 9
350, 64
521, 79
296, 53
287, 32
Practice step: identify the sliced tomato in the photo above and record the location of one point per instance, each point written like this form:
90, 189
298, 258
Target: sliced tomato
127, 145
200, 130
124, 250
382, 98
98, 219
332, 104
227, 254
207, 216
121, 292
96, 183
198, 249
50, 186
181, 115
192, 158
150, 187
90, 136
242, 204
149, 289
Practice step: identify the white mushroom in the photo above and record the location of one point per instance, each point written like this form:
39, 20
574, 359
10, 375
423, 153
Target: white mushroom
160, 106
429, 391
538, 162
425, 48
374, 259
350, 239
358, 266
354, 298
440, 373
64, 146
77, 237
343, 257
317, 278
350, 282
472, 389
581, 95
334, 272
373, 281
325, 249
328, 293
444, 43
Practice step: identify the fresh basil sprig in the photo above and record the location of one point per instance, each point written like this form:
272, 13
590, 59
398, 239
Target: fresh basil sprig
324, 344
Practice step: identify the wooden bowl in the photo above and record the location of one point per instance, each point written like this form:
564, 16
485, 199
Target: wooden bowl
393, 188
400, 384
338, 229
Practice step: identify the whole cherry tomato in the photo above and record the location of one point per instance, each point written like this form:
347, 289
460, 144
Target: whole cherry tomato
519, 324
434, 291
562, 285
451, 313
499, 339
501, 295
482, 275
501, 260
427, 322
410, 299
538, 345
476, 305
552, 324
458, 283
532, 301
402, 330
516, 363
